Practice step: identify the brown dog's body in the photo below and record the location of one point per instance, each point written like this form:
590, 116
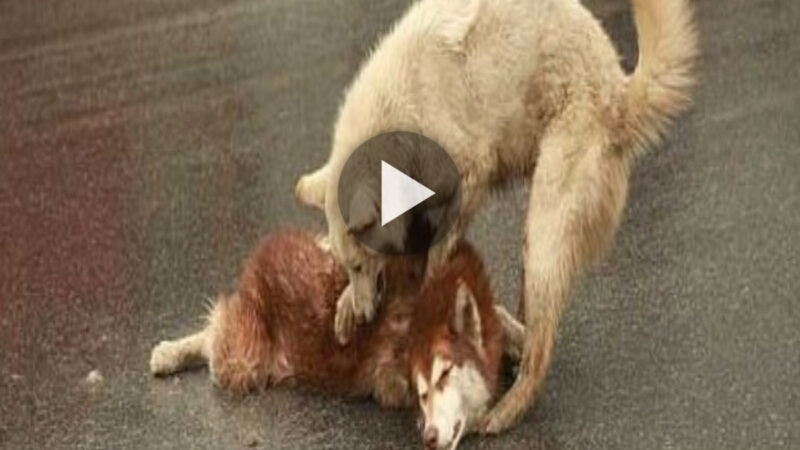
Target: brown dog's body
277, 326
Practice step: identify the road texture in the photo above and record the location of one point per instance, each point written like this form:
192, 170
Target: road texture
146, 145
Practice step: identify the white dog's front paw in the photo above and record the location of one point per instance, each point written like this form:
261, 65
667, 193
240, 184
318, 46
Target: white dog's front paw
350, 314
310, 189
345, 321
165, 358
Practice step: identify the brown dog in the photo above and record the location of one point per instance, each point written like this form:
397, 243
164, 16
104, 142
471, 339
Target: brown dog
277, 327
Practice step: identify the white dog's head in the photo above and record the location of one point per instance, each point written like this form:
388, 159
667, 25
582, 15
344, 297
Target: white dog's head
351, 192
353, 213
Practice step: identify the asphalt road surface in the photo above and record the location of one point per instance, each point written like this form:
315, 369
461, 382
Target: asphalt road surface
146, 146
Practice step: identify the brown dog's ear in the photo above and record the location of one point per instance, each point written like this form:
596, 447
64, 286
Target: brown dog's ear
466, 320
363, 211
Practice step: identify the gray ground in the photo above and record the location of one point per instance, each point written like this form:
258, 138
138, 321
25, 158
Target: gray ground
147, 145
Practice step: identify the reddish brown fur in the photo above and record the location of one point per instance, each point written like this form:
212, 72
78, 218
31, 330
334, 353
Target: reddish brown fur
278, 325
431, 331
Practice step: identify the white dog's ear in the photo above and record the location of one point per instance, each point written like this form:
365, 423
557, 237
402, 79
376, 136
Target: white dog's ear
466, 320
363, 211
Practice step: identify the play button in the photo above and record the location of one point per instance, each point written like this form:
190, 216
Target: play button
399, 193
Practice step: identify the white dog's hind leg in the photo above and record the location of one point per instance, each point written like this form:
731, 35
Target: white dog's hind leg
169, 357
577, 196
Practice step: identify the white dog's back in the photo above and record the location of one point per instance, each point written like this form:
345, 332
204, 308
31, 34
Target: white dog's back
457, 71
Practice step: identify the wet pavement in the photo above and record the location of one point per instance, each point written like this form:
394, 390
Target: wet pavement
146, 146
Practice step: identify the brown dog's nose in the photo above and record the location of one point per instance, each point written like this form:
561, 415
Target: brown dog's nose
431, 438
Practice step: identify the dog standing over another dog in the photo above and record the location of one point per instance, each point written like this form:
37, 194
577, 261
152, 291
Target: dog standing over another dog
514, 90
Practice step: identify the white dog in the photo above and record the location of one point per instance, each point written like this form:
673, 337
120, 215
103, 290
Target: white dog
514, 89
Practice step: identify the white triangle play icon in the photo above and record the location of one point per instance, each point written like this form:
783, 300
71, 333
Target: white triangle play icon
399, 193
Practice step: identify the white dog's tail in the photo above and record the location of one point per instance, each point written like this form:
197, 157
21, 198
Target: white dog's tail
659, 87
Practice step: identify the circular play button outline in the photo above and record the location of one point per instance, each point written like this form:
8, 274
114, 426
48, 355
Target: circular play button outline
399, 193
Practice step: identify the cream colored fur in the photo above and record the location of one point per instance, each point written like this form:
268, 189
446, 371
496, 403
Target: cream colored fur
170, 357
451, 407
516, 89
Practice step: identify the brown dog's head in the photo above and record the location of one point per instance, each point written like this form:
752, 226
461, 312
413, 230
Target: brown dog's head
448, 368
455, 351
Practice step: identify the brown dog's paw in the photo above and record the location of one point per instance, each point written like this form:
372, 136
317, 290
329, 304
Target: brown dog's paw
164, 359
392, 390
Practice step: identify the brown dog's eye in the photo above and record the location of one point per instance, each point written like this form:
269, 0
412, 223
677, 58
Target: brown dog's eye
423, 397
357, 268
443, 378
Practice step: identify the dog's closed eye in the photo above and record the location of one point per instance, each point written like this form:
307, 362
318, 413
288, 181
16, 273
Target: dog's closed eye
443, 377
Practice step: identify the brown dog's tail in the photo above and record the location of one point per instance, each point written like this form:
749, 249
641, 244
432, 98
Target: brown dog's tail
239, 344
658, 89
235, 345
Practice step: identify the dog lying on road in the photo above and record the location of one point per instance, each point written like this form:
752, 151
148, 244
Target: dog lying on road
441, 345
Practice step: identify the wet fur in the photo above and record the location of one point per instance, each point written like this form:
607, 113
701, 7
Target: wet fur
277, 326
